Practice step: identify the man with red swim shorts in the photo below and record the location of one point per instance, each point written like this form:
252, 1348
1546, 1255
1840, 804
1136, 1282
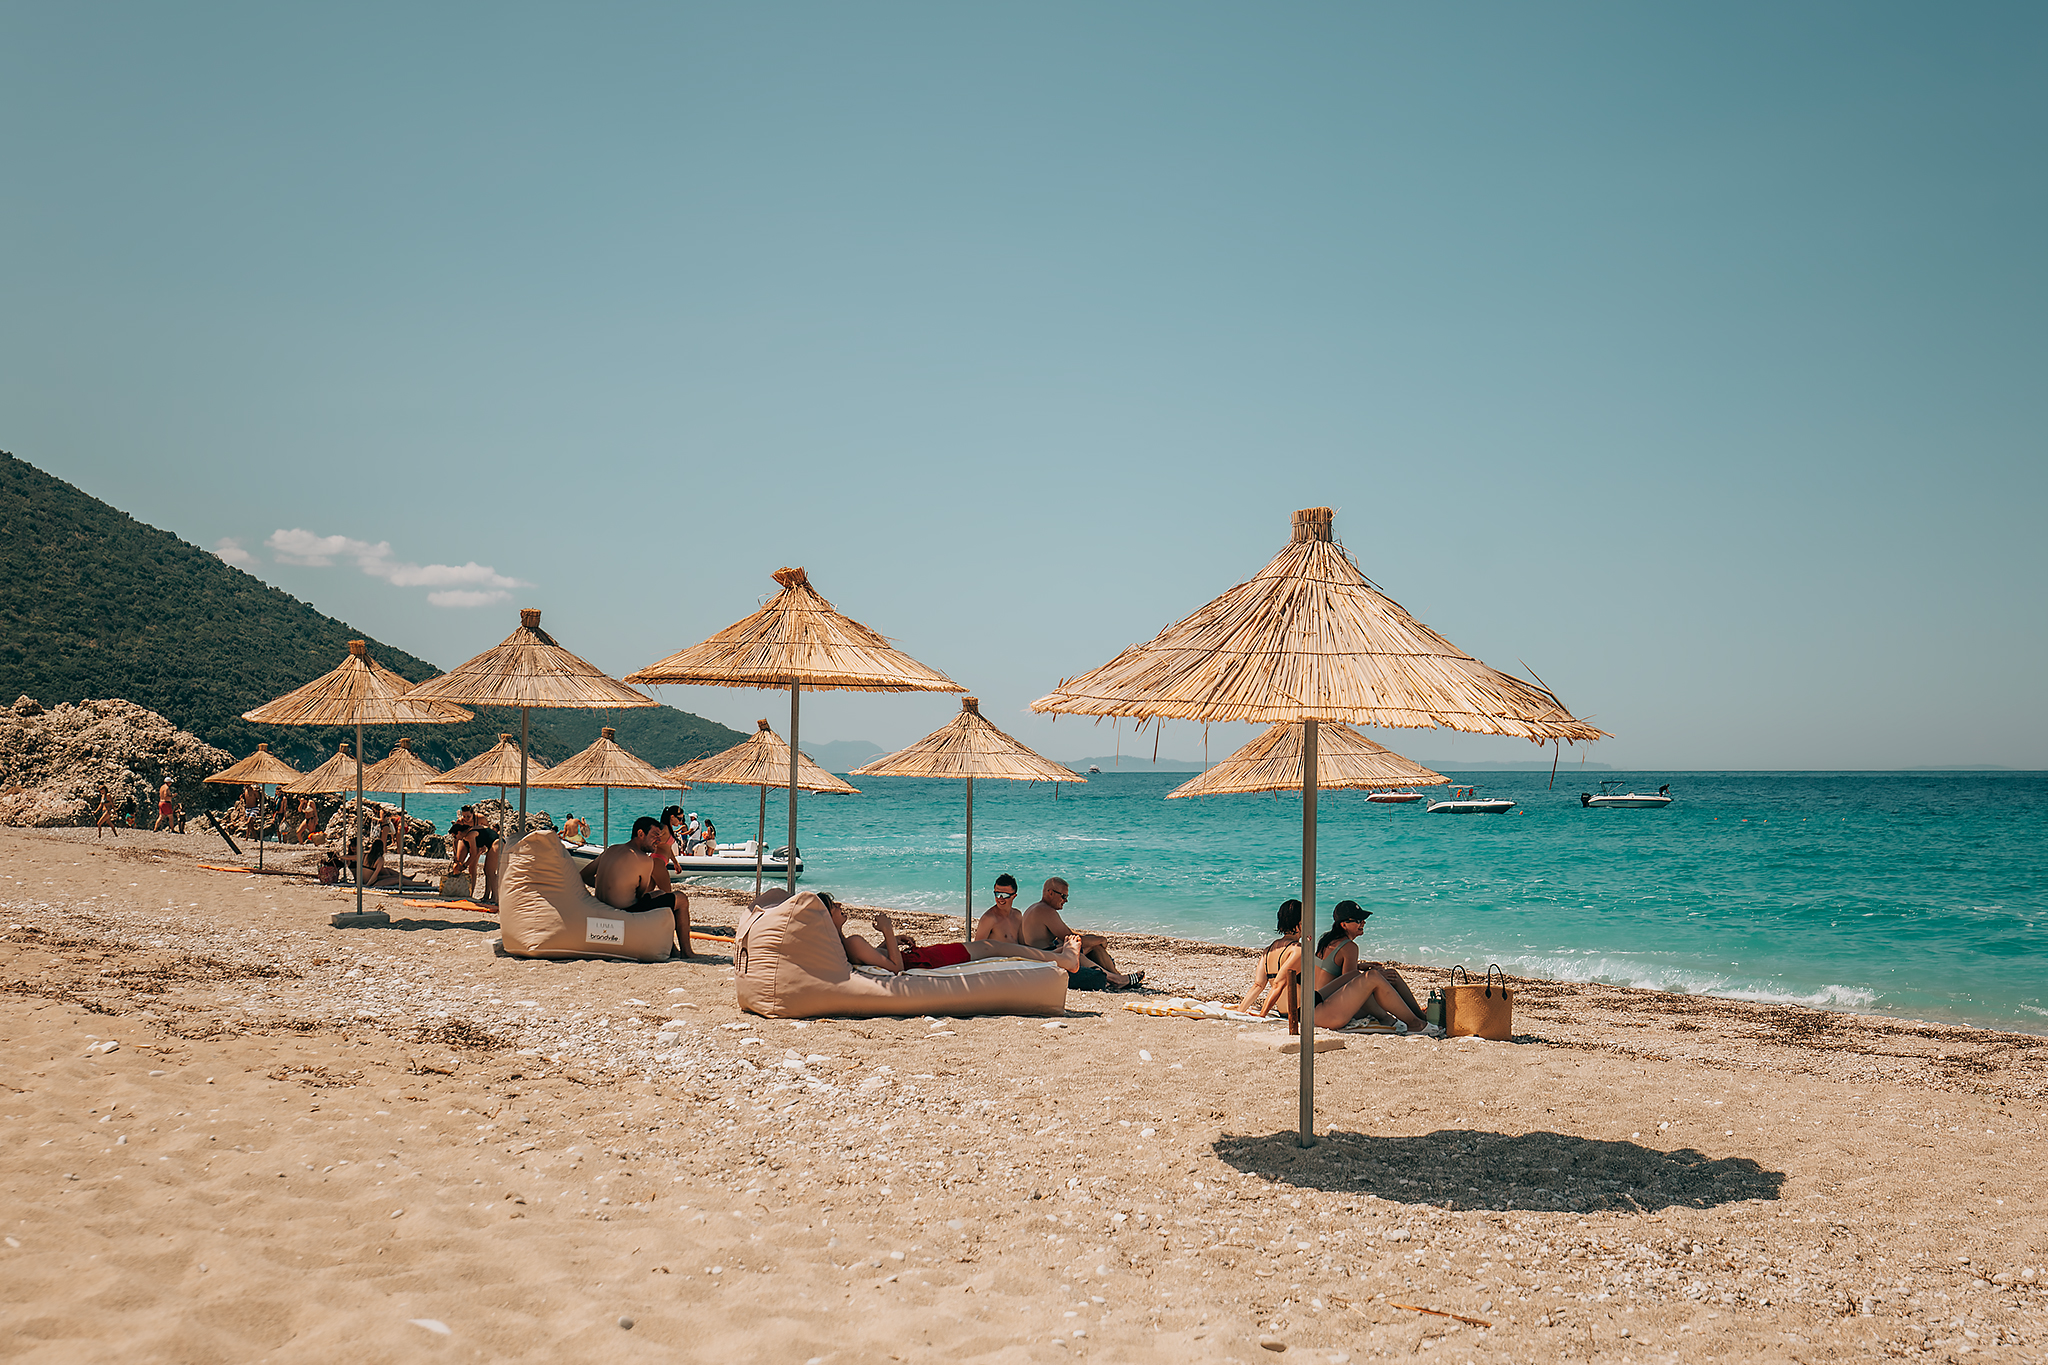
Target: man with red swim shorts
899, 952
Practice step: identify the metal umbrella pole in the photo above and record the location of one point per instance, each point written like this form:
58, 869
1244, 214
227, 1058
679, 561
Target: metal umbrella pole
1307, 1136
359, 816
796, 688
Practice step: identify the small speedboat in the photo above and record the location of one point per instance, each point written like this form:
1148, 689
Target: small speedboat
733, 860
1467, 801
1612, 799
1395, 798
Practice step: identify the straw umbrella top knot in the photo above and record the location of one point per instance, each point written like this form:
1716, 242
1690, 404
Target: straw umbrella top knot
1315, 523
789, 577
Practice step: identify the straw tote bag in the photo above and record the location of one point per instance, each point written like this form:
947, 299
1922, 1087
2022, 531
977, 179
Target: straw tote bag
1481, 1010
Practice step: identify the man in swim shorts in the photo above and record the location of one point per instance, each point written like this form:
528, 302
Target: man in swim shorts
894, 952
166, 816
633, 877
1043, 927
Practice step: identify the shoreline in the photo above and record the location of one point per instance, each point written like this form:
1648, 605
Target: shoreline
1190, 974
384, 1142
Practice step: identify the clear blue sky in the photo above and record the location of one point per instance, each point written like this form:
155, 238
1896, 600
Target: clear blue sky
1692, 354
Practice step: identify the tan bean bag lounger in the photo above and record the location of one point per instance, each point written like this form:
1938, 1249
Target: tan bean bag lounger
790, 965
545, 911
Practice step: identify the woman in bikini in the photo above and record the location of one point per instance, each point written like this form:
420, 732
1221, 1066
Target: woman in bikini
1276, 959
1344, 990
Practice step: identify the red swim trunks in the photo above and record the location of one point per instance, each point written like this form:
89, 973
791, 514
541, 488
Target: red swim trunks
938, 955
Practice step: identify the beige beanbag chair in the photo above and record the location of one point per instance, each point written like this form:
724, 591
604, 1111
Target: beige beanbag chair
790, 965
546, 912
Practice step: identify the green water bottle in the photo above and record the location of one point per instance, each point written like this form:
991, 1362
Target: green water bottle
1433, 1012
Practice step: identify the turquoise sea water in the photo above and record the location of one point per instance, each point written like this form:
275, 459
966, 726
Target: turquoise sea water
1917, 894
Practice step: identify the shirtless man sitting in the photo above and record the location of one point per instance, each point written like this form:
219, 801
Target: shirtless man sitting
575, 829
1043, 927
900, 953
634, 876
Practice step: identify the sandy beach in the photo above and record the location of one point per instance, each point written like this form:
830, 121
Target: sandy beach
233, 1132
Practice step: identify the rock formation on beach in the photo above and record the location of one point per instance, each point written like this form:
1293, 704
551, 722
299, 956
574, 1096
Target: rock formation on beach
53, 762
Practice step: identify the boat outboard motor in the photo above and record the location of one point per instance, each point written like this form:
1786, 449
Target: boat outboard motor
1585, 798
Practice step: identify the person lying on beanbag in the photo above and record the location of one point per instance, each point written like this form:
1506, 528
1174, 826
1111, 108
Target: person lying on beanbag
900, 953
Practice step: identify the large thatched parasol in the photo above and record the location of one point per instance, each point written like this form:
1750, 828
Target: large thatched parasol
1344, 758
358, 693
529, 670
605, 764
796, 641
968, 746
1309, 639
262, 767
404, 772
760, 760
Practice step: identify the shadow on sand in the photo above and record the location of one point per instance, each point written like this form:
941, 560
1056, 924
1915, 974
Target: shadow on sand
1536, 1172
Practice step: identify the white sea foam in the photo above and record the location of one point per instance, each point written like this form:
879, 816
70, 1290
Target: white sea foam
1622, 971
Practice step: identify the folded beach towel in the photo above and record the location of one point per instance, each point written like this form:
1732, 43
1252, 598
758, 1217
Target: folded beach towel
1185, 1007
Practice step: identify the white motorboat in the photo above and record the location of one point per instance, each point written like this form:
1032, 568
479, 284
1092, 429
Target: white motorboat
1467, 801
1395, 798
1611, 799
733, 860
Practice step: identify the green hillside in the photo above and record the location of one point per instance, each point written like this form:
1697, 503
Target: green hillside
95, 604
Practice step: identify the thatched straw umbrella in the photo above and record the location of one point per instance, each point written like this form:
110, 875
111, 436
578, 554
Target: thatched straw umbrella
968, 746
404, 772
796, 641
1344, 759
529, 670
337, 774
604, 764
262, 767
358, 693
761, 760
497, 766
1310, 639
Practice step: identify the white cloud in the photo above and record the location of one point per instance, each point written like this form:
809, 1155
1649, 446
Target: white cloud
230, 551
466, 597
459, 585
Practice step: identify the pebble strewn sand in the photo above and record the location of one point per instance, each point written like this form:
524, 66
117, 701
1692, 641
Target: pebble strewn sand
395, 1144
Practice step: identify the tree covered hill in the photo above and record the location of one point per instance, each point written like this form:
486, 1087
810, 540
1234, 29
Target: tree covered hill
95, 604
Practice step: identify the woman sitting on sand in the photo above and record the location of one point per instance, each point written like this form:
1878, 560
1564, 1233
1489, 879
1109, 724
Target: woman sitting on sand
375, 873
1339, 958
310, 829
1277, 956
1343, 991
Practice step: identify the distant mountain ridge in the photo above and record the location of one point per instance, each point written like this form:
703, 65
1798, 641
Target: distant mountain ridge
95, 604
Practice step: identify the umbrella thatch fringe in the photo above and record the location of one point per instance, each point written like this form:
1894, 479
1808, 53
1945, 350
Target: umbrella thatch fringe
530, 669
603, 764
969, 745
797, 635
497, 766
359, 692
760, 760
402, 771
1310, 637
261, 767
1344, 758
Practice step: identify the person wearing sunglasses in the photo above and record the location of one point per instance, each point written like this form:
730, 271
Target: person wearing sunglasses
1002, 922
1044, 928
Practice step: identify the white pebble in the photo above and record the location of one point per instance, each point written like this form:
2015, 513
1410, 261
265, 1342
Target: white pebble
431, 1324
1143, 1055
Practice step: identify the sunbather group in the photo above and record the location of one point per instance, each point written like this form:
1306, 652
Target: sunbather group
1346, 990
1037, 934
